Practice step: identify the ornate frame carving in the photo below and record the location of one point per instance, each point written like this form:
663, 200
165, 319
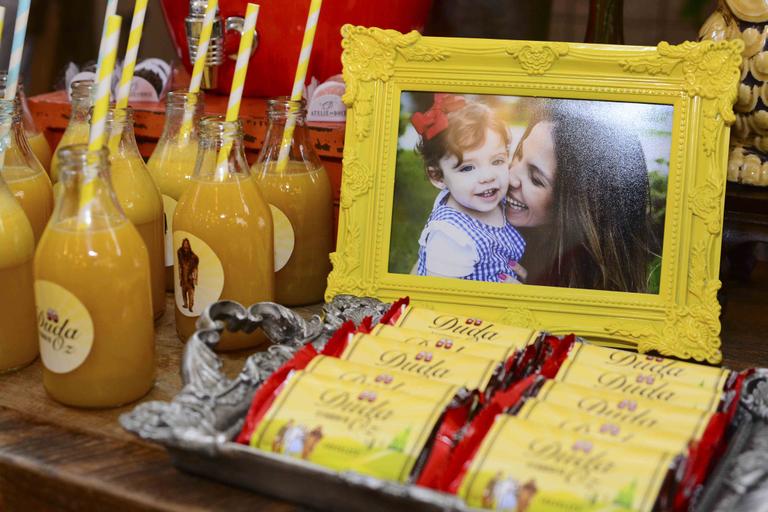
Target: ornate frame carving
698, 79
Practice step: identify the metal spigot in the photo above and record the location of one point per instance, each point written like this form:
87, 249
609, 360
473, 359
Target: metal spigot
215, 57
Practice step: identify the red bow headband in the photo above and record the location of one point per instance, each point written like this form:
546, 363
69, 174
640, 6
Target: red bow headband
433, 121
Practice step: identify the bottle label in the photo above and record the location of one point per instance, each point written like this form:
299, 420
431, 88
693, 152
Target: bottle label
285, 239
198, 275
64, 326
169, 207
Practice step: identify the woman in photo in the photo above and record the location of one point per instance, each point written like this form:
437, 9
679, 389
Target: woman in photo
579, 195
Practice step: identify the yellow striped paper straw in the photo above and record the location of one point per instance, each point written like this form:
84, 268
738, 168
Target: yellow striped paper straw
131, 54
17, 48
238, 80
200, 57
298, 81
101, 106
111, 10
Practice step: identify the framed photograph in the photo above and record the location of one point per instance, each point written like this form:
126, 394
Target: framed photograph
562, 186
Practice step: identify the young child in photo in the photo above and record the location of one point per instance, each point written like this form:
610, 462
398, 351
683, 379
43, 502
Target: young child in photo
465, 149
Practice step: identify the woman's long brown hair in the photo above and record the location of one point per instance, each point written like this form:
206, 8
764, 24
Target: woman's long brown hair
600, 236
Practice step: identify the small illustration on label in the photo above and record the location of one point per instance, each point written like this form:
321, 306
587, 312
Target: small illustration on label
64, 327
285, 239
169, 207
198, 274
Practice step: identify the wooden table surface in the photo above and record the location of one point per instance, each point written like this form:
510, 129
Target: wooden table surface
58, 458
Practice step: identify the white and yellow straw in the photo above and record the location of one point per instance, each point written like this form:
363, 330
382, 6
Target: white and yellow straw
129, 64
200, 57
111, 10
17, 49
238, 80
101, 106
298, 81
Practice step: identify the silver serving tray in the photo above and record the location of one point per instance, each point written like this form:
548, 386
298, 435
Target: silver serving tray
197, 427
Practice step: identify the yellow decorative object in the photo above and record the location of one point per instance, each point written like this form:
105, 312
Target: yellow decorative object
698, 80
536, 60
744, 21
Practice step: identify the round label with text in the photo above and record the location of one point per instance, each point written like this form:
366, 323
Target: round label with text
64, 327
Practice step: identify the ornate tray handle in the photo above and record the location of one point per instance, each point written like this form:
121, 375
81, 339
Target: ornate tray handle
210, 408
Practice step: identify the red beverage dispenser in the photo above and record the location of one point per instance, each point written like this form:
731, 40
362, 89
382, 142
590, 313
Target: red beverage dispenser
279, 30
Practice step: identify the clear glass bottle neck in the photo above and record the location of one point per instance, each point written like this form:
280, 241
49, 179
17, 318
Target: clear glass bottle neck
216, 138
119, 129
18, 153
286, 115
183, 111
26, 114
86, 197
82, 100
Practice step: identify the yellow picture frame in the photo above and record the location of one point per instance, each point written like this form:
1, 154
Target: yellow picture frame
699, 79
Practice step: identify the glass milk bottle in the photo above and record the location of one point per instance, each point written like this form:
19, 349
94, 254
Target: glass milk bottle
24, 175
173, 160
37, 141
138, 197
18, 329
222, 235
92, 291
302, 208
81, 93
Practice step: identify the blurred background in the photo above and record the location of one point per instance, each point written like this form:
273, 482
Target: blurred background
63, 31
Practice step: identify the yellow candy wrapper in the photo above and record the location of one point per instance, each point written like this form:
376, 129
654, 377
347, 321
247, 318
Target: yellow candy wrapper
522, 465
348, 427
658, 369
442, 365
363, 374
456, 326
627, 410
631, 385
571, 420
427, 340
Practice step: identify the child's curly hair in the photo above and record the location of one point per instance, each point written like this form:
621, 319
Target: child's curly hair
465, 131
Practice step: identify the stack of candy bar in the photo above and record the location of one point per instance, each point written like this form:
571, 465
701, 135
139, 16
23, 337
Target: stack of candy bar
375, 398
506, 418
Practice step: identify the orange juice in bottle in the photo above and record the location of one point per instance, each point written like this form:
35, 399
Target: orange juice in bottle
138, 196
36, 140
173, 160
222, 235
299, 193
18, 329
92, 290
24, 175
78, 128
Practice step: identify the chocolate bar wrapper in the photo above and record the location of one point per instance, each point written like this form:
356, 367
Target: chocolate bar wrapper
575, 353
342, 426
429, 341
387, 355
627, 410
521, 464
363, 374
456, 326
633, 385
309, 360
567, 419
